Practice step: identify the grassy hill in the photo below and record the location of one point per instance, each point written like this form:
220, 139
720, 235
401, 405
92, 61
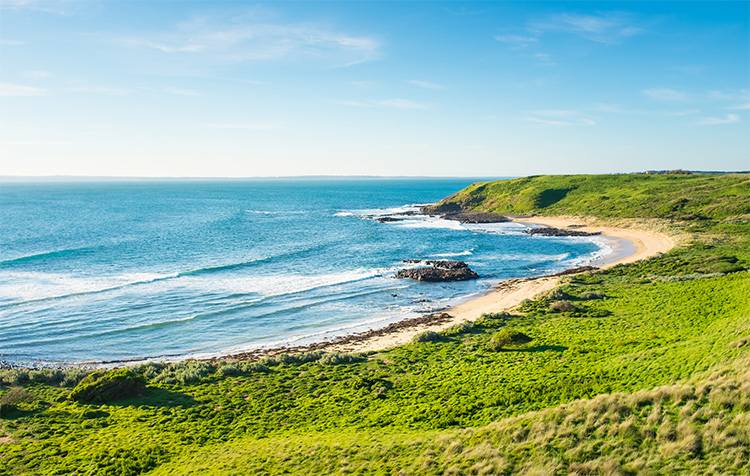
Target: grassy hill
643, 370
675, 196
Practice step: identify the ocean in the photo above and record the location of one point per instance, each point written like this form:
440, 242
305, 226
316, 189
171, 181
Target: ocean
94, 272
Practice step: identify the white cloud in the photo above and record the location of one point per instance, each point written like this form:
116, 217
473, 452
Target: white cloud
255, 126
183, 92
740, 106
245, 39
666, 95
12, 42
559, 117
37, 74
425, 84
517, 41
608, 28
709, 121
385, 103
9, 89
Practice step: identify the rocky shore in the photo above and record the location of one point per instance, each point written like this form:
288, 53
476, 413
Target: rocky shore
549, 231
425, 320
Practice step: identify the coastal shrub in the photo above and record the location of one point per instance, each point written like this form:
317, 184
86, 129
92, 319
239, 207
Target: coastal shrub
426, 336
588, 295
461, 328
556, 294
14, 376
505, 338
73, 375
10, 401
253, 367
495, 315
63, 377
287, 358
336, 358
105, 387
562, 306
228, 369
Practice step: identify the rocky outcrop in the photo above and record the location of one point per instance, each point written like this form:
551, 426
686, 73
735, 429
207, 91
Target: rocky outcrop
441, 270
549, 231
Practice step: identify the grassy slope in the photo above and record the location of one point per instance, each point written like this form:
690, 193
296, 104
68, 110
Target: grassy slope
401, 409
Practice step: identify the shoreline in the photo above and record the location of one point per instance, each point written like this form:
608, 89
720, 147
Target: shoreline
628, 245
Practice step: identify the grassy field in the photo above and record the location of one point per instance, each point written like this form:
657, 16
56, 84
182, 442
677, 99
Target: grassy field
640, 369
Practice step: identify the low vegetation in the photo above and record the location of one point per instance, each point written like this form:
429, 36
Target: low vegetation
647, 373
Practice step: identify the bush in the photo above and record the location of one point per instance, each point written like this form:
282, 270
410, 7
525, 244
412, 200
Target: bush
592, 295
562, 306
505, 338
105, 387
9, 402
336, 358
426, 336
556, 294
252, 367
462, 328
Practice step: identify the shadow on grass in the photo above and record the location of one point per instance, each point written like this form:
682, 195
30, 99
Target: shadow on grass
544, 348
156, 397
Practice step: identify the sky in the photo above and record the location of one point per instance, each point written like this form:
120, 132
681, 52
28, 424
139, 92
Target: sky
245, 89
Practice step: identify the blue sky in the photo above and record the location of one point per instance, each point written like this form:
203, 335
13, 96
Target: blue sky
240, 89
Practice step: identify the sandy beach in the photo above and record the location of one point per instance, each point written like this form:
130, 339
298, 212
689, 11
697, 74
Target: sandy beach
508, 294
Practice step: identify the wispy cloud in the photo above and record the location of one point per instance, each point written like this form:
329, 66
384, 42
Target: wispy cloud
666, 95
517, 41
425, 84
710, 121
183, 92
255, 126
59, 7
245, 39
98, 90
559, 117
544, 59
607, 28
385, 103
740, 106
9, 89
37, 74
12, 42
687, 112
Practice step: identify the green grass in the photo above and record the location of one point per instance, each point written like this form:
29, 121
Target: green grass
645, 374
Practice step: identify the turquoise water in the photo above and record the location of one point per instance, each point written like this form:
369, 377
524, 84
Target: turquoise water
110, 271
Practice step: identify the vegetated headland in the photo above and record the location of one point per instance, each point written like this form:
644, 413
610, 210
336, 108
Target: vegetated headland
640, 368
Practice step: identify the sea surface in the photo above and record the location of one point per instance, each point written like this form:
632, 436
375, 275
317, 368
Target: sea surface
95, 272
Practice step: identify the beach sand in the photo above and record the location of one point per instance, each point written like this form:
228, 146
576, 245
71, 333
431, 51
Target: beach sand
628, 245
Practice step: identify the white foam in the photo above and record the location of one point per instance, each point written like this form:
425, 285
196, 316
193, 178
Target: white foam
428, 222
269, 286
450, 255
22, 286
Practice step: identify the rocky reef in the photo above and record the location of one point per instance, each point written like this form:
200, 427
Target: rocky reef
439, 271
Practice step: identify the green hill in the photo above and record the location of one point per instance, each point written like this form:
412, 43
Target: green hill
677, 196
643, 370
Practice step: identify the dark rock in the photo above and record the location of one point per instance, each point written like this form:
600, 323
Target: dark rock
441, 270
476, 217
549, 231
385, 219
